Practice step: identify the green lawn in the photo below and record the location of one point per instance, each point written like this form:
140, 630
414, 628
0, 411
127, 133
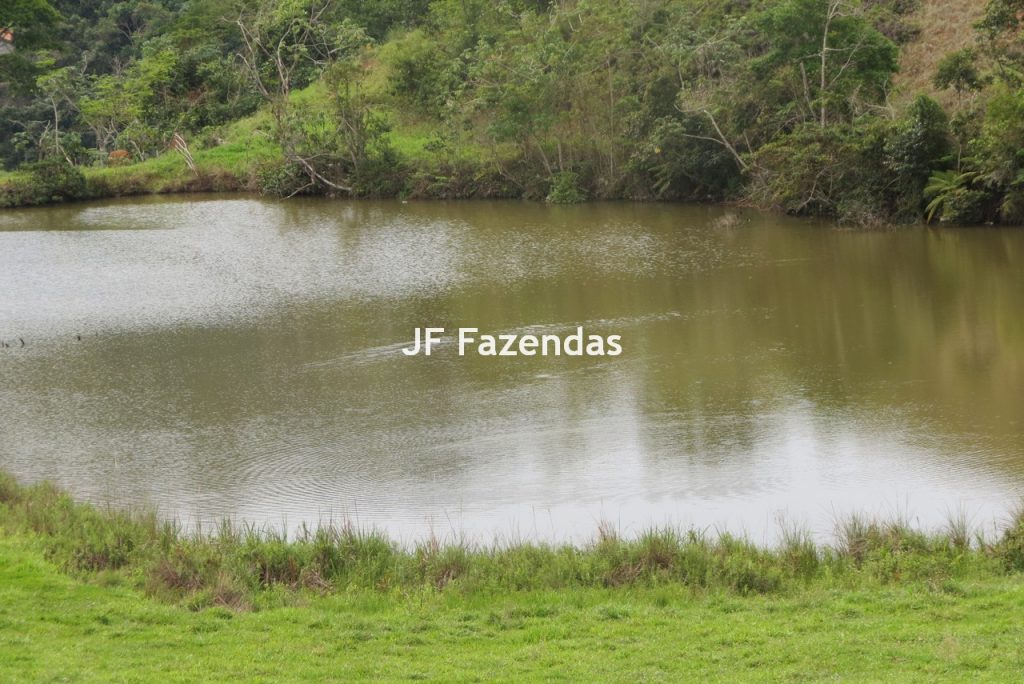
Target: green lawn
56, 628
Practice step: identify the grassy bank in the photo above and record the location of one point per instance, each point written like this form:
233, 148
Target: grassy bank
55, 627
88, 594
248, 568
241, 160
225, 168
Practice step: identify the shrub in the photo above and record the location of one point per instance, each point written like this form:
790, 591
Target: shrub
1010, 548
381, 174
51, 180
958, 70
670, 163
422, 74
913, 149
281, 178
1012, 209
965, 206
834, 171
55, 180
565, 189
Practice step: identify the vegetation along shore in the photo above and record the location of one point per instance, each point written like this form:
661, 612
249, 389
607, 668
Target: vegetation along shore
866, 111
884, 600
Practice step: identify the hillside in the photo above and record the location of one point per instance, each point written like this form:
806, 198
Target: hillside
799, 106
943, 26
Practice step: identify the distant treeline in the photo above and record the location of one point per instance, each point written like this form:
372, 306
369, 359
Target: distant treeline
785, 104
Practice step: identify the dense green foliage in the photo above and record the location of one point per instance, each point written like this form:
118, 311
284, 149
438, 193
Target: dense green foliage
781, 103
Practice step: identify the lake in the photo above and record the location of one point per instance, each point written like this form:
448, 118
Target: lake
233, 356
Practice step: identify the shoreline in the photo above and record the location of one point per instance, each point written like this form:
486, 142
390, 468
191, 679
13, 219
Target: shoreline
161, 176
59, 627
87, 594
214, 185
237, 564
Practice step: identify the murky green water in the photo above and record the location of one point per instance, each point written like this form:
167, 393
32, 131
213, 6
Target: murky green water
242, 357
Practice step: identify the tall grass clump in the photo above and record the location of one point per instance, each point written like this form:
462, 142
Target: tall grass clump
958, 531
798, 551
891, 550
1010, 547
247, 567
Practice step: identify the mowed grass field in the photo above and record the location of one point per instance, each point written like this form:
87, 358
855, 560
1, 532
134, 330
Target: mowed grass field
54, 627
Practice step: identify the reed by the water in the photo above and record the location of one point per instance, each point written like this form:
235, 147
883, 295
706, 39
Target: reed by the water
245, 567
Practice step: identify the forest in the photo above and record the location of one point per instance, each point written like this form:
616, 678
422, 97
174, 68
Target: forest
788, 105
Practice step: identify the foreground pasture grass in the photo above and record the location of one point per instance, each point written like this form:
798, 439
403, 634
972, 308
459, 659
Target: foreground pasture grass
54, 627
100, 595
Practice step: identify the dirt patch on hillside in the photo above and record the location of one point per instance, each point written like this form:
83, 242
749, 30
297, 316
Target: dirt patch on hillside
945, 26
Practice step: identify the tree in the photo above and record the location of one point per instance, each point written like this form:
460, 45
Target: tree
957, 70
1000, 28
284, 45
60, 88
915, 147
130, 101
828, 54
31, 21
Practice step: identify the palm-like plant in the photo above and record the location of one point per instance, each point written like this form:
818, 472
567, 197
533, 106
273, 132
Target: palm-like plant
942, 186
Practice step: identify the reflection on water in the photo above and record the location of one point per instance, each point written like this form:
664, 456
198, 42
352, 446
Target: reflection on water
242, 357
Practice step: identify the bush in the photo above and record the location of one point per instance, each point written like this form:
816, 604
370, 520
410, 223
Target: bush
915, 147
281, 178
670, 163
965, 206
565, 189
1012, 209
47, 181
51, 180
422, 75
1010, 548
835, 171
381, 174
958, 70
